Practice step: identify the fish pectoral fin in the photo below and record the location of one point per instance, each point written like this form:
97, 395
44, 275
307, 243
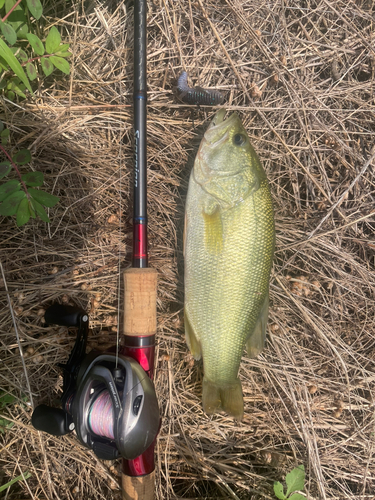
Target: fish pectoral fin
255, 343
223, 396
191, 339
213, 230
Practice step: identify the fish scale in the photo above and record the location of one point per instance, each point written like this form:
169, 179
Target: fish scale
228, 247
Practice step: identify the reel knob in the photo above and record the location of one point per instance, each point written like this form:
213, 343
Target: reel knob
58, 314
55, 421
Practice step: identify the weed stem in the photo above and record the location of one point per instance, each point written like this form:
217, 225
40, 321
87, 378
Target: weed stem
15, 168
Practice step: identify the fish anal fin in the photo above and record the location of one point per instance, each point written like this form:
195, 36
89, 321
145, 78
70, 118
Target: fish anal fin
191, 339
213, 230
255, 343
227, 397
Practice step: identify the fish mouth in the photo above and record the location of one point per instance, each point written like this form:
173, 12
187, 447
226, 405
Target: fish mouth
218, 130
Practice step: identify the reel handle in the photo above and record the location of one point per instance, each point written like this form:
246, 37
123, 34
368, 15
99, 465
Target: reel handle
54, 421
58, 314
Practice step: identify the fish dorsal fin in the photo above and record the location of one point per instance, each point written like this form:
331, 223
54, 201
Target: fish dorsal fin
213, 229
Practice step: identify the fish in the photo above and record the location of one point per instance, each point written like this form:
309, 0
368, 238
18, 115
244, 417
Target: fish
197, 95
229, 241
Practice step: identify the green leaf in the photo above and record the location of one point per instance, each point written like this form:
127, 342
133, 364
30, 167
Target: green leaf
9, 34
18, 90
11, 95
10, 58
46, 199
63, 54
8, 188
5, 168
15, 480
64, 47
53, 40
35, 7
5, 66
22, 56
4, 136
36, 44
63, 51
10, 204
297, 496
31, 71
295, 480
17, 18
33, 178
60, 64
40, 210
279, 490
2, 2
47, 66
22, 156
4, 423
11, 83
6, 399
23, 212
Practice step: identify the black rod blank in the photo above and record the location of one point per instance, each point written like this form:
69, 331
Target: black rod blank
140, 258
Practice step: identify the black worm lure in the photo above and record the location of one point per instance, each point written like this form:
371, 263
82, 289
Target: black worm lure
197, 95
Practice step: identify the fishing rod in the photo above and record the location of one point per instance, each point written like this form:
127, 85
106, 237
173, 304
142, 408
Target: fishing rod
109, 398
140, 281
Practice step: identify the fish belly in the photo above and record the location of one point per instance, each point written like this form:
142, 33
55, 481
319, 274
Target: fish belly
226, 288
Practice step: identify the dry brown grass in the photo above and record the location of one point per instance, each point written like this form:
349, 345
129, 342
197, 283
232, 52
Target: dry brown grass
301, 74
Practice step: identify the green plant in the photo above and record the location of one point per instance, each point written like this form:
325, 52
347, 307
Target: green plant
25, 476
23, 55
5, 400
18, 197
295, 481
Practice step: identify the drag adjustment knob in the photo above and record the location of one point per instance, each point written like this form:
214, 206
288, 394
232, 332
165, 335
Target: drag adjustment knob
55, 421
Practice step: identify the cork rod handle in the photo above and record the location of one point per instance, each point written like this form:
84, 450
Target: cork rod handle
138, 488
140, 287
140, 301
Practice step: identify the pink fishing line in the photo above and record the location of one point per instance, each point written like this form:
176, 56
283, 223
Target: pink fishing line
101, 416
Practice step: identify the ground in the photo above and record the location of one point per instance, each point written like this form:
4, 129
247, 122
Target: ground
301, 76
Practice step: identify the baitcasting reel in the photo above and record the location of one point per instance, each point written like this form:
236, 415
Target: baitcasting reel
111, 406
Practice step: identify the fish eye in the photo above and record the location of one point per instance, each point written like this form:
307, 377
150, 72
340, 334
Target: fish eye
239, 139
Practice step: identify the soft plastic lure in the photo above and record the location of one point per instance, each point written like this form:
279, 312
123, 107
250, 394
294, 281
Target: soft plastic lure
197, 95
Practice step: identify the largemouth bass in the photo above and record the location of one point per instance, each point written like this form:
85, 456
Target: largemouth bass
228, 246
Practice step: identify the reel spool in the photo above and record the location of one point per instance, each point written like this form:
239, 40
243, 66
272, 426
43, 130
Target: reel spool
108, 400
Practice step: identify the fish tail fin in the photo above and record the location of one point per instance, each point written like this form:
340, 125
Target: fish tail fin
227, 397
